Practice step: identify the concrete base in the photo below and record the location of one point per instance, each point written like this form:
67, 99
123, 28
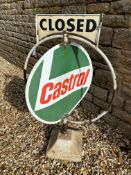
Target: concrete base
65, 146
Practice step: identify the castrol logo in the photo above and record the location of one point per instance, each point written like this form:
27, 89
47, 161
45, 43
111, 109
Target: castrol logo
58, 82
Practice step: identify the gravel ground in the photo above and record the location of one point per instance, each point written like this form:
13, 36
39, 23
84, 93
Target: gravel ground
23, 139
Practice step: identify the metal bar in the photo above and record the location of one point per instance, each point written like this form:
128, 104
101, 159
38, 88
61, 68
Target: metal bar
99, 31
69, 14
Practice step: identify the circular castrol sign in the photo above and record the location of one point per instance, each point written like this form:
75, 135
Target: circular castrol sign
58, 82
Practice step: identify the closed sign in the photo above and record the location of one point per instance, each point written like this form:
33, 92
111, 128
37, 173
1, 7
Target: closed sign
83, 25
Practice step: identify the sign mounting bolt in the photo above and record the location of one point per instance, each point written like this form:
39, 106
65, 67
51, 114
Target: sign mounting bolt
65, 38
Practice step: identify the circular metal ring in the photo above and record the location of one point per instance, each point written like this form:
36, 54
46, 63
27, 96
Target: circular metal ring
84, 40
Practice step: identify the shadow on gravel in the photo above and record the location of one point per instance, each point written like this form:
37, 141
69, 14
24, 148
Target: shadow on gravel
47, 130
14, 93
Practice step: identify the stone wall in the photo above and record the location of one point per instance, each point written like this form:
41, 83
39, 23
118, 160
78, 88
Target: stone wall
17, 36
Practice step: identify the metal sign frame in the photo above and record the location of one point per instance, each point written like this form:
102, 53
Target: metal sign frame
84, 40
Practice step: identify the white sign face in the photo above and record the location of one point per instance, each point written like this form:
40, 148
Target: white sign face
83, 25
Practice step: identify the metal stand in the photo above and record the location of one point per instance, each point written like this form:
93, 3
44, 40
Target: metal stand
66, 144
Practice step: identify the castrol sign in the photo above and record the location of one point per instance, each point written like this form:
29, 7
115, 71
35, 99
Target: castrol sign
58, 82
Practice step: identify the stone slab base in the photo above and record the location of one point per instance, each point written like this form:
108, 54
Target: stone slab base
65, 146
